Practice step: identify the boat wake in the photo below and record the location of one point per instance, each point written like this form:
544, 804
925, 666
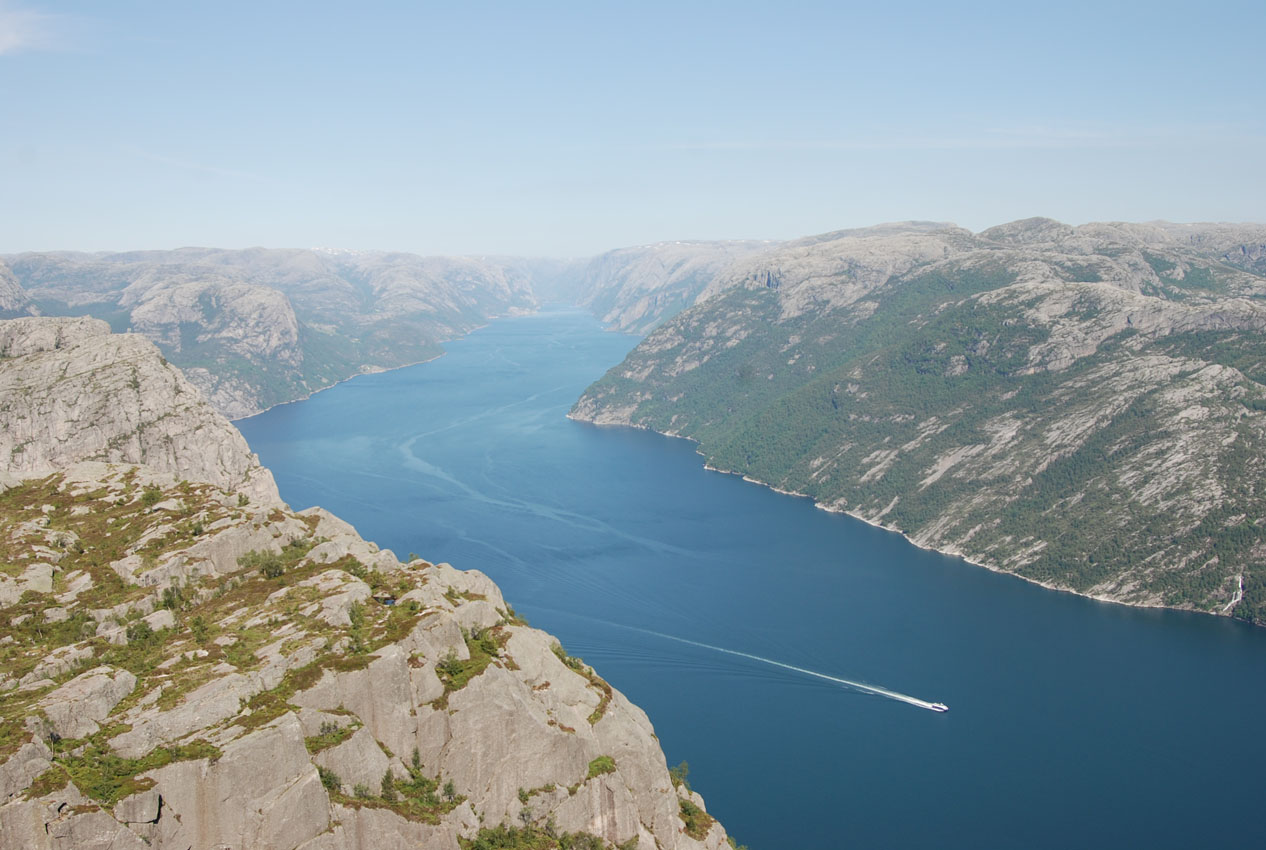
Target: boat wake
859, 686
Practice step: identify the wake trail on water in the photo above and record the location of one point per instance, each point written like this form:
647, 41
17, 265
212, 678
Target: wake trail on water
860, 686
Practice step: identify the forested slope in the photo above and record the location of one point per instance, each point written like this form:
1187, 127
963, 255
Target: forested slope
1084, 407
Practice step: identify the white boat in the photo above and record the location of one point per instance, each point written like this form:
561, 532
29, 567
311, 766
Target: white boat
939, 706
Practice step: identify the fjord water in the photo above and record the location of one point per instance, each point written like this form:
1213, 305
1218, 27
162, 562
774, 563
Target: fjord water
1071, 722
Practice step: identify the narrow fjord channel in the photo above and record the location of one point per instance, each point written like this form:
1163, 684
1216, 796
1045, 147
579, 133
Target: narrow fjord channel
1071, 722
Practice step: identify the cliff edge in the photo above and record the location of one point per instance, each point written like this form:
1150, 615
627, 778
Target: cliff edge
185, 662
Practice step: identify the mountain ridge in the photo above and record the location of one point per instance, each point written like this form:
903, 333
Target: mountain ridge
966, 390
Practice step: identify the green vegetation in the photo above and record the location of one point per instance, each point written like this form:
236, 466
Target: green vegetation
600, 685
414, 798
329, 779
895, 411
275, 564
601, 765
531, 837
483, 647
329, 735
269, 607
106, 777
698, 822
513, 618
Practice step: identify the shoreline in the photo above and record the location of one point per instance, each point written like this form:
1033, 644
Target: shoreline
377, 370
1222, 613
365, 370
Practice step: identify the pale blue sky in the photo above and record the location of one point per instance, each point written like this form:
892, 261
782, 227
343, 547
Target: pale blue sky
570, 128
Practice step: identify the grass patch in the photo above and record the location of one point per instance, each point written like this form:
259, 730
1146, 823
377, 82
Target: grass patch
578, 665
330, 735
601, 765
417, 798
273, 565
267, 706
106, 777
532, 837
484, 646
698, 822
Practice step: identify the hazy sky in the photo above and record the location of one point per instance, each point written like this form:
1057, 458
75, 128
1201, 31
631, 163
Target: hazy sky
570, 128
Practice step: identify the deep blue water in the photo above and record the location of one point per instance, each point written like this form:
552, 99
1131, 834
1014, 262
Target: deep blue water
1073, 723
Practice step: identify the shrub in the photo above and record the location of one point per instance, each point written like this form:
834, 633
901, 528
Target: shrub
601, 765
678, 774
698, 822
140, 632
329, 778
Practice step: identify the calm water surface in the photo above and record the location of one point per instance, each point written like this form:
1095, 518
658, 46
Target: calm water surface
1072, 723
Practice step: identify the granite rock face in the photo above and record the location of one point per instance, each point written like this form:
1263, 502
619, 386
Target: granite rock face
72, 391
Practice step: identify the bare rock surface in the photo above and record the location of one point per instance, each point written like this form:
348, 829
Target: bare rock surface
71, 391
76, 709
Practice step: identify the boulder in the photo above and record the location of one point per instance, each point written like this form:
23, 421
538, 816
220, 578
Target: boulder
76, 709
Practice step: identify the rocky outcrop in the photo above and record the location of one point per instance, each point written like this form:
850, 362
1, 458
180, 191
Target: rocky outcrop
248, 321
189, 665
1082, 406
71, 391
312, 692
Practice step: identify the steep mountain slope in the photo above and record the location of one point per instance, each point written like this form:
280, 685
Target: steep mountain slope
1084, 407
634, 289
184, 663
256, 327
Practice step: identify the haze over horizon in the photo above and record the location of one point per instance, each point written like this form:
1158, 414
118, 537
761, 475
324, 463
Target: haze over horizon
570, 129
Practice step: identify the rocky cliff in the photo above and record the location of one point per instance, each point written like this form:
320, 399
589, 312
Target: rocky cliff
189, 664
70, 390
258, 327
1082, 406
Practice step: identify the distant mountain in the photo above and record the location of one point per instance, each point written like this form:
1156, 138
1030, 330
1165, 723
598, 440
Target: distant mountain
256, 327
14, 301
634, 289
1082, 406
